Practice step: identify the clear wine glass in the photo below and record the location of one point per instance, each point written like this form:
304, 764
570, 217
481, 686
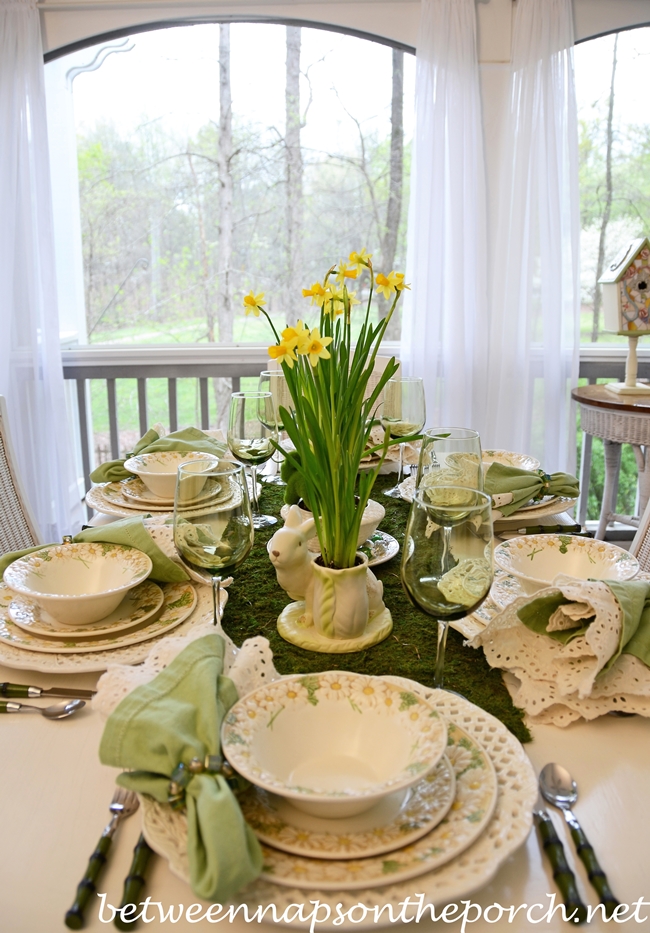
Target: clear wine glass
447, 566
450, 457
403, 412
250, 439
213, 524
273, 381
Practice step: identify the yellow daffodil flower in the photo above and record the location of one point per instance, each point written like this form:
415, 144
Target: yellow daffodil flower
388, 284
253, 303
353, 299
283, 353
316, 348
346, 271
360, 260
334, 301
317, 293
295, 336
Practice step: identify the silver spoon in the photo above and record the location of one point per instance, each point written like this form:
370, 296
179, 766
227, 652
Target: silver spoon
57, 711
560, 790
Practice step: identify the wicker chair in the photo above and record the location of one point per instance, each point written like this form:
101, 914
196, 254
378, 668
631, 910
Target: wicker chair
640, 547
18, 528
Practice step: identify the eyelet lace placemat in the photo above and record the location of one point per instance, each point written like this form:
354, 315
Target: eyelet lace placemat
558, 684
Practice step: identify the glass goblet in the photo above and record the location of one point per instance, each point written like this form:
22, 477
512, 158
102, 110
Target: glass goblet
402, 412
447, 565
450, 457
213, 524
273, 381
250, 439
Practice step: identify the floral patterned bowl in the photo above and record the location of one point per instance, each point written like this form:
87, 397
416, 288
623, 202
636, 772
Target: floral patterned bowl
333, 743
78, 583
509, 458
158, 470
535, 560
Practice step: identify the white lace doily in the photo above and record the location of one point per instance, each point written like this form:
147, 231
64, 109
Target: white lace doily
558, 684
166, 829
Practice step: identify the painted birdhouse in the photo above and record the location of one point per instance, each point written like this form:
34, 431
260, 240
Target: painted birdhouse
626, 290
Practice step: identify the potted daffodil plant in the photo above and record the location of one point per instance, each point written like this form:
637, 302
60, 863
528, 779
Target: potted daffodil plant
327, 375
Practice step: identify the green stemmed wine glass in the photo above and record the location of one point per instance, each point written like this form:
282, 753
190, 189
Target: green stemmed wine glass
447, 566
213, 524
251, 439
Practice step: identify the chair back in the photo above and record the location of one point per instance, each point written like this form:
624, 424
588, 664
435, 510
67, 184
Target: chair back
640, 547
18, 529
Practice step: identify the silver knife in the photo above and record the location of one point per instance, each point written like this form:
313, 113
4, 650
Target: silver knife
15, 691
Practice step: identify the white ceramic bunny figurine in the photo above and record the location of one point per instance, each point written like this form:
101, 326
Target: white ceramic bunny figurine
290, 556
293, 565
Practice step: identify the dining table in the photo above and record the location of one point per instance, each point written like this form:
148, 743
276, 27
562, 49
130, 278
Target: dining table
56, 793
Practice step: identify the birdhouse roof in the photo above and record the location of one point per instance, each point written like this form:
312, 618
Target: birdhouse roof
617, 269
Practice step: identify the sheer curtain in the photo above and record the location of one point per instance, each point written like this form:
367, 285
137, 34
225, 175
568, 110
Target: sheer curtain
31, 376
444, 332
534, 334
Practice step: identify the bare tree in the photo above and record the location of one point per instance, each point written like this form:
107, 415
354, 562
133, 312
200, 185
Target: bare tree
293, 174
394, 207
208, 305
223, 387
609, 194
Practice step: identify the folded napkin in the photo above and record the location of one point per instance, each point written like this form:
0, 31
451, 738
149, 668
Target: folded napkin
578, 649
171, 720
188, 439
128, 531
511, 488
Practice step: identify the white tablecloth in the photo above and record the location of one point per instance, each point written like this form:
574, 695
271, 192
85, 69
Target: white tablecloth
55, 797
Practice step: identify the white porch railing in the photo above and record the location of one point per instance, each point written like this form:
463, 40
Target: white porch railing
209, 361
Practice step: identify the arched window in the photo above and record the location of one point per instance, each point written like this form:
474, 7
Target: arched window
614, 128
215, 159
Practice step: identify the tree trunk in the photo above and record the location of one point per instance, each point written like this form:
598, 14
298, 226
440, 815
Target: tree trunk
394, 208
223, 387
293, 175
208, 307
598, 292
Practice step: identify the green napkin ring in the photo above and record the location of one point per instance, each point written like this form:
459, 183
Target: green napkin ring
544, 491
183, 774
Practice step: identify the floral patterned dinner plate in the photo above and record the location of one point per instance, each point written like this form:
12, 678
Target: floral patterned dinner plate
396, 821
138, 605
471, 811
136, 490
179, 600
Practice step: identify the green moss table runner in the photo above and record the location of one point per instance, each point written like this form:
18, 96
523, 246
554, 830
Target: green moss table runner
256, 600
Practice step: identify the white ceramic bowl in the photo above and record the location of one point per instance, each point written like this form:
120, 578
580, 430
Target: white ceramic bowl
372, 515
78, 583
509, 458
535, 560
158, 470
333, 743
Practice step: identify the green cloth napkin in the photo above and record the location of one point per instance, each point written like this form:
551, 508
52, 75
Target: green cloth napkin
188, 439
632, 596
129, 531
500, 481
172, 719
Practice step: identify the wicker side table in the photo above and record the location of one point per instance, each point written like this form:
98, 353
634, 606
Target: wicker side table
617, 420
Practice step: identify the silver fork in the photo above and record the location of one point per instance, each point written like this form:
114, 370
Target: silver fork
123, 804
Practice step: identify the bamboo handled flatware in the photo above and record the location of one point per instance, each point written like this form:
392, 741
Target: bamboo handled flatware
123, 804
25, 691
561, 791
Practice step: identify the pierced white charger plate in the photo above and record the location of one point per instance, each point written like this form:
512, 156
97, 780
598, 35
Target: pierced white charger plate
90, 661
461, 877
138, 605
395, 821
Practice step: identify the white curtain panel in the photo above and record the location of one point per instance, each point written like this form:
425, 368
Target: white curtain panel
444, 333
31, 376
534, 336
